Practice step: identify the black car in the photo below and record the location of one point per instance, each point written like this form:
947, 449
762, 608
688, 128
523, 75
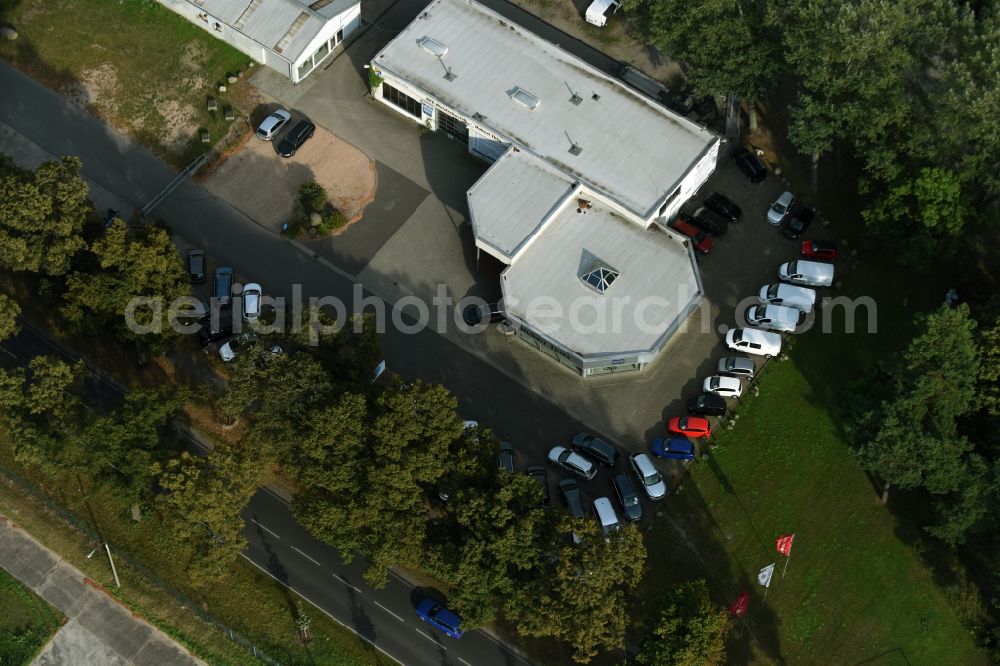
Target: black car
631, 506
707, 405
474, 315
295, 138
222, 288
723, 207
506, 457
570, 491
539, 474
797, 223
709, 222
595, 448
211, 331
750, 165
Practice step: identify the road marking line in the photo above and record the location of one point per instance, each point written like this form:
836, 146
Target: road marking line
254, 521
324, 611
306, 556
391, 613
9, 353
344, 581
431, 639
464, 662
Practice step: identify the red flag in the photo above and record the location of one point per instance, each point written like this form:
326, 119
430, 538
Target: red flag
739, 607
784, 544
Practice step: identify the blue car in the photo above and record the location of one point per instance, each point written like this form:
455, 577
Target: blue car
675, 448
440, 617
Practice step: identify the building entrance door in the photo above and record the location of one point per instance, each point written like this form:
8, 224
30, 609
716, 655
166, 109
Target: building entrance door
453, 127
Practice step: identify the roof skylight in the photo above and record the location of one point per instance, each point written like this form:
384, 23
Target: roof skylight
600, 277
433, 47
525, 99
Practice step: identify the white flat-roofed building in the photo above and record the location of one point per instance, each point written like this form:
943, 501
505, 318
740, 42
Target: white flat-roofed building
289, 36
465, 70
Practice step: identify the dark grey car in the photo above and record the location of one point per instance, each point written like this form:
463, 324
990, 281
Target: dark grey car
571, 494
631, 506
595, 448
539, 474
196, 266
506, 457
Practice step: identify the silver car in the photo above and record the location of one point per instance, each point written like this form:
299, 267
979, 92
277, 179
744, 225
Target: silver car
572, 462
649, 477
251, 301
779, 210
273, 124
737, 366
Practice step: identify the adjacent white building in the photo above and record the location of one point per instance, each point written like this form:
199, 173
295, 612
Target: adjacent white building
586, 173
289, 36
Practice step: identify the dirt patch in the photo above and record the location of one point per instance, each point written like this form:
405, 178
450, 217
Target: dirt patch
263, 185
96, 89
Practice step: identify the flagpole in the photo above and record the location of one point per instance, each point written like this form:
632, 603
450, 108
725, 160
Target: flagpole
788, 557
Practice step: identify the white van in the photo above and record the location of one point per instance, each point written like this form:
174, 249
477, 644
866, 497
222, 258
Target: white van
606, 515
600, 11
810, 273
754, 341
774, 317
788, 295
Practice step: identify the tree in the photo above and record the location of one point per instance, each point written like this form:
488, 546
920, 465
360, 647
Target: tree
42, 216
9, 311
688, 630
129, 268
201, 505
922, 217
726, 46
911, 440
581, 597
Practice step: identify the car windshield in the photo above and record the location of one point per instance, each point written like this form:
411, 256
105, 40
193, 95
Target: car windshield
682, 423
715, 382
737, 336
652, 479
779, 207
772, 291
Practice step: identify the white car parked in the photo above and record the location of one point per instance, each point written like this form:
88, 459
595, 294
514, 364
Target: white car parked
779, 210
727, 387
788, 295
251, 301
754, 341
775, 317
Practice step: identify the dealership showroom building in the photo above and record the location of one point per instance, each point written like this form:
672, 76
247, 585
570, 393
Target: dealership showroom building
586, 173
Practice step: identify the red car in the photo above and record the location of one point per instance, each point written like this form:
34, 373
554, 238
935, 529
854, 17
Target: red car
692, 426
702, 241
823, 250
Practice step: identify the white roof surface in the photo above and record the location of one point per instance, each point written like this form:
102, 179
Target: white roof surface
284, 26
633, 150
650, 263
509, 204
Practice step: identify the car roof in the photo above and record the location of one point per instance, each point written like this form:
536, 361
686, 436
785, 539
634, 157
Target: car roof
679, 444
644, 464
302, 126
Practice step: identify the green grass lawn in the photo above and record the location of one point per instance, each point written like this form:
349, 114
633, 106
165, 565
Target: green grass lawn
133, 63
855, 591
26, 622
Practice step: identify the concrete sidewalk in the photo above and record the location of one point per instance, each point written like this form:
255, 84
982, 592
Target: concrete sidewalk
99, 630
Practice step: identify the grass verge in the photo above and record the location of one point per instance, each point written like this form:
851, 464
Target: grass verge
856, 591
134, 64
26, 622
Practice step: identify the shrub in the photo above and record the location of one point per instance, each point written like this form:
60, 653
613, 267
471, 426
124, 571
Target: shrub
335, 220
312, 198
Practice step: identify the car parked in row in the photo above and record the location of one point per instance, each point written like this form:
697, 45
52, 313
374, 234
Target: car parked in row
807, 273
649, 477
595, 448
196, 266
727, 387
215, 328
690, 426
606, 515
751, 165
572, 497
707, 404
629, 499
788, 295
673, 448
775, 317
538, 473
251, 301
754, 341
780, 209
506, 458
298, 135
271, 125
723, 207
222, 285
700, 240
821, 250
797, 223
572, 462
736, 366
709, 222
439, 617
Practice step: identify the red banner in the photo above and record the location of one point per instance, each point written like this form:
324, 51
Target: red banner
739, 607
784, 544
